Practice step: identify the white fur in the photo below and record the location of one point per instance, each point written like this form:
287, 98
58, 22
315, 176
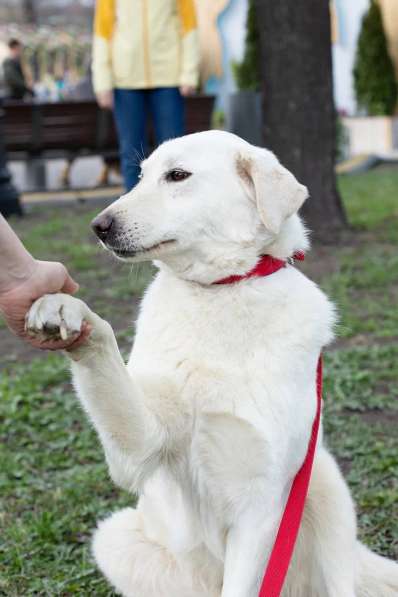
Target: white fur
211, 418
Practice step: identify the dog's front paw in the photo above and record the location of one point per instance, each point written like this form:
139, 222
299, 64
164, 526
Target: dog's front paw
56, 317
61, 317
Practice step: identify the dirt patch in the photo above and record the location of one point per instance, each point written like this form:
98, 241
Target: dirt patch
363, 340
387, 418
13, 350
320, 261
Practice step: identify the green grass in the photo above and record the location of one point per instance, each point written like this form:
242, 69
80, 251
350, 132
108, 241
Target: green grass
53, 485
364, 282
53, 480
365, 289
67, 235
371, 199
361, 416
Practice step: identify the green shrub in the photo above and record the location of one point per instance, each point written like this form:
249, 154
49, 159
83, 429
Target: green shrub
342, 140
374, 76
247, 72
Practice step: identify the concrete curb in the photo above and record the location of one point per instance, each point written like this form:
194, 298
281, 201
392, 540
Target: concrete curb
362, 163
103, 194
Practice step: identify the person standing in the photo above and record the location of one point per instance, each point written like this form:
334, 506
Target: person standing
14, 78
145, 59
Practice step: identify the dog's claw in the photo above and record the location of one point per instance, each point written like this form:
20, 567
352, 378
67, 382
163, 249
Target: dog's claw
63, 332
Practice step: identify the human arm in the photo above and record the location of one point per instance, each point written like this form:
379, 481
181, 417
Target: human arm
16, 264
104, 20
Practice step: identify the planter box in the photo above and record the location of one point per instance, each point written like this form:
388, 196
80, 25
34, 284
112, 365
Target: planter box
244, 116
372, 134
198, 113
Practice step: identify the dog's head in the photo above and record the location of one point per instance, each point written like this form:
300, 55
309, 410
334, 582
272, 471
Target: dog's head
207, 205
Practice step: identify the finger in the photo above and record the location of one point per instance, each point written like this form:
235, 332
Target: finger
82, 338
73, 342
70, 286
51, 344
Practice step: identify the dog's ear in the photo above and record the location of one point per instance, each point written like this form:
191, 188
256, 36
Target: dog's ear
274, 189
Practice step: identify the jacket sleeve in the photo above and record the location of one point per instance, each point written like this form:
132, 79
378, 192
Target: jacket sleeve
14, 78
190, 43
104, 21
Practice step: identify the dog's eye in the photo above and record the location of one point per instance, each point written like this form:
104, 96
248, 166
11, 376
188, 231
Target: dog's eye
177, 175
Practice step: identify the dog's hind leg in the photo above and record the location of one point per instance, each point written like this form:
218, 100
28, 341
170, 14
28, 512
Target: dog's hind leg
139, 567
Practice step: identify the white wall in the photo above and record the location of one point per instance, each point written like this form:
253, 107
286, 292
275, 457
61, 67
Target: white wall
349, 14
232, 26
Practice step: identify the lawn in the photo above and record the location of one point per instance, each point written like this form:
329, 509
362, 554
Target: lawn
53, 480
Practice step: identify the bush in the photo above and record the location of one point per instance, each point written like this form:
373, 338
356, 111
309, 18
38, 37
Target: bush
247, 72
342, 140
374, 76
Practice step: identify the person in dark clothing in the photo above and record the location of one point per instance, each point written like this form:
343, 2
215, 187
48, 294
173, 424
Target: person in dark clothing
14, 78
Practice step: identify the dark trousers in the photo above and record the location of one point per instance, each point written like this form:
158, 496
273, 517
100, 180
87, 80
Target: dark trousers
164, 105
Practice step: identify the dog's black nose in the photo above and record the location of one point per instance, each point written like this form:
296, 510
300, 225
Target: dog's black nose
102, 225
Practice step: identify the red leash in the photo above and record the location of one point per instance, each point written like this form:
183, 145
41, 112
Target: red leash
289, 526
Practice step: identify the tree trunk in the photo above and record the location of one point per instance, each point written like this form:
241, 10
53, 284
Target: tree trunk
298, 107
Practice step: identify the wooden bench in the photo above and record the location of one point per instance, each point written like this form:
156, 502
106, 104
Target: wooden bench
58, 130
37, 132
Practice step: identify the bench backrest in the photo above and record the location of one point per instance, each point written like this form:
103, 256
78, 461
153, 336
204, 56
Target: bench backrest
78, 127
66, 126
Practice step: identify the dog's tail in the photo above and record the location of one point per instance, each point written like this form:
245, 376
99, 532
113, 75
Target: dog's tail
377, 576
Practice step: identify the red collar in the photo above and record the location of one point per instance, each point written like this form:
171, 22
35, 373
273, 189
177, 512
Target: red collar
265, 266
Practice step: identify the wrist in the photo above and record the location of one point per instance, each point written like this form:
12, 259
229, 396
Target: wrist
17, 273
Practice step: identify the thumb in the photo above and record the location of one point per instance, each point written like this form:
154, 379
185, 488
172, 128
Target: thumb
70, 286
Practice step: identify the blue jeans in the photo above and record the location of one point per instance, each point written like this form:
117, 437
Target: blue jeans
131, 110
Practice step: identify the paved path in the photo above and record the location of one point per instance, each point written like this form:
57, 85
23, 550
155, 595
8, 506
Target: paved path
84, 174
96, 195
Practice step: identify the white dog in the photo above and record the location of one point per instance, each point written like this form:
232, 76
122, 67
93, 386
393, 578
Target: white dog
211, 418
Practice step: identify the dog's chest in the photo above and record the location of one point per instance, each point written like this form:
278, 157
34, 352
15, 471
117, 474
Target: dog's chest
228, 359
215, 343
214, 351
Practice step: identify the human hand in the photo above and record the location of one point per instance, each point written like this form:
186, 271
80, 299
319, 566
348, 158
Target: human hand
45, 277
105, 99
187, 90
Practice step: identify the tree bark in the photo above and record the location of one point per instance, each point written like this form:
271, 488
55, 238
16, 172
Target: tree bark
298, 106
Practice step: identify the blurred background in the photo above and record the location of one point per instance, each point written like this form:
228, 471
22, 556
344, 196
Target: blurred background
56, 57
315, 81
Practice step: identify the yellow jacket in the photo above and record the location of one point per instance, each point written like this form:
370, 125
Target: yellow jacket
140, 44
